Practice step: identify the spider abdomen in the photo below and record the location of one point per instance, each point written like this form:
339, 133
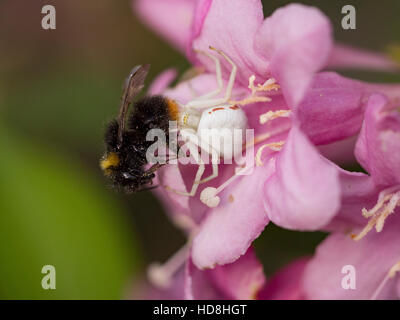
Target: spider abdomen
224, 127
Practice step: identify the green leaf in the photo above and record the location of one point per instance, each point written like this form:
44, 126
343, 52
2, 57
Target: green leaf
52, 212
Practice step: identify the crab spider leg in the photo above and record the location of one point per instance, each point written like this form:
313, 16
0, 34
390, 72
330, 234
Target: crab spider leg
198, 181
204, 104
200, 171
193, 92
204, 145
195, 185
228, 93
213, 175
232, 77
219, 78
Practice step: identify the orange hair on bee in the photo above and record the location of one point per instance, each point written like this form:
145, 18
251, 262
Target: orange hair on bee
173, 109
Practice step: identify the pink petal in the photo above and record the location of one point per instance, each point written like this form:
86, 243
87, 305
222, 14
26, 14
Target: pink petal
344, 56
229, 229
340, 152
162, 82
240, 280
333, 108
297, 41
197, 284
201, 10
230, 25
372, 258
172, 19
379, 143
186, 212
358, 191
188, 90
177, 206
304, 191
287, 283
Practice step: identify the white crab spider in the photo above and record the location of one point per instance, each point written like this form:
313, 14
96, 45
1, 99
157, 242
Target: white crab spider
222, 115
196, 115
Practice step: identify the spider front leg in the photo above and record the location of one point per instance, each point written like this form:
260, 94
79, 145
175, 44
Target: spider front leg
218, 76
197, 181
195, 185
194, 141
213, 175
206, 103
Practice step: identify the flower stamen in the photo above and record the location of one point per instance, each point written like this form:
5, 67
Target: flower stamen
249, 100
390, 275
387, 203
160, 275
271, 115
267, 135
268, 85
275, 146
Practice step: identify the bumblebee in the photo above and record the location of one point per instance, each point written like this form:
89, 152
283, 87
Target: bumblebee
124, 160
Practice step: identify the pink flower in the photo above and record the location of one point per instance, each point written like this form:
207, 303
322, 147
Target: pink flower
290, 46
377, 151
286, 284
258, 46
292, 185
244, 280
374, 255
241, 280
379, 141
375, 260
306, 191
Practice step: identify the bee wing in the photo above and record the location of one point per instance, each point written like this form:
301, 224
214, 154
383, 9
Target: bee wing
134, 83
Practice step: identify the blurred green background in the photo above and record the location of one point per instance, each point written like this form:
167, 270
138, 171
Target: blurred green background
58, 89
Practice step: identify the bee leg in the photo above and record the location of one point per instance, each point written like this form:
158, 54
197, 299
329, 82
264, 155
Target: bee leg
154, 168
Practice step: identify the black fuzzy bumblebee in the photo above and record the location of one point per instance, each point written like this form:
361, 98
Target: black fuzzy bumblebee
125, 139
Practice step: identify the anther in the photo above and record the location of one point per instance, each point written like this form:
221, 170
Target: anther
268, 85
387, 203
275, 146
393, 270
271, 115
